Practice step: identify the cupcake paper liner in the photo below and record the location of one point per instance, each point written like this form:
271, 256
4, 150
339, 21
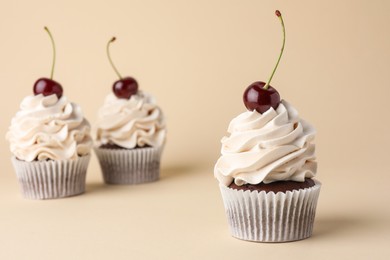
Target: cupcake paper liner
129, 166
269, 217
51, 179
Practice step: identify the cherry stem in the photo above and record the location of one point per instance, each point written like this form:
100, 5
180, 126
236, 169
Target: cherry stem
109, 57
54, 52
279, 15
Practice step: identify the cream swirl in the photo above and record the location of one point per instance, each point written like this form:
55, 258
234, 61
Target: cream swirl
273, 146
49, 128
131, 123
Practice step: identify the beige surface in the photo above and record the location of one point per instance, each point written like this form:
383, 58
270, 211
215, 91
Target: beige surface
197, 57
182, 217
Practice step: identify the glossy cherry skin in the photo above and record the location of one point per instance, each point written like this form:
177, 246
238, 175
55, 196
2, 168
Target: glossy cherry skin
47, 87
260, 99
125, 87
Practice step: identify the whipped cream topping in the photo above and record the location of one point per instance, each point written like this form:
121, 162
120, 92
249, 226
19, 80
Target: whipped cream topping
49, 128
274, 146
131, 123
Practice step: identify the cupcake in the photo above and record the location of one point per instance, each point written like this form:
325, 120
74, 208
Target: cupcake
51, 143
130, 134
267, 167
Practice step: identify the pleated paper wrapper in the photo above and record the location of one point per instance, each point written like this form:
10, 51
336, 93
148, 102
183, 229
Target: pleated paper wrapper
269, 217
51, 179
129, 166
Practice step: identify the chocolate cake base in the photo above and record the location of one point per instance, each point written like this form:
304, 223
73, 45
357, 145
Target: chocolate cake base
278, 186
114, 146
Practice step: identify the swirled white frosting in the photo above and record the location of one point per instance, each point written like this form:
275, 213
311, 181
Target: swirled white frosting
49, 128
273, 146
131, 123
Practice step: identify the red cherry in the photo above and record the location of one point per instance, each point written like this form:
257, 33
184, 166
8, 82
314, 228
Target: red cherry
256, 97
260, 96
47, 87
125, 87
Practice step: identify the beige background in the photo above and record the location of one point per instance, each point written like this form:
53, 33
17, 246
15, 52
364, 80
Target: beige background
197, 58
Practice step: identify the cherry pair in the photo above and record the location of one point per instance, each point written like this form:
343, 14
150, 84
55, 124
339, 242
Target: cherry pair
123, 88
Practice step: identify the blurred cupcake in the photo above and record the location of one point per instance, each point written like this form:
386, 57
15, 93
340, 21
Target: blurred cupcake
130, 133
130, 139
51, 142
267, 167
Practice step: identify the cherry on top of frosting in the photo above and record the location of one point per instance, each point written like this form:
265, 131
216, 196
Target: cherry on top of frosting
125, 87
256, 97
260, 96
48, 86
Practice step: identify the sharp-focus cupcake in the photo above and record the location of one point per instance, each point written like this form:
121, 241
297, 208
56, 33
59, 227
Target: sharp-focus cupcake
50, 140
130, 134
266, 169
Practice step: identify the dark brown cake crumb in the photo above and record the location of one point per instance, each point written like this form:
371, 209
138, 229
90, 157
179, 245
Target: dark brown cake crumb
114, 146
278, 186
